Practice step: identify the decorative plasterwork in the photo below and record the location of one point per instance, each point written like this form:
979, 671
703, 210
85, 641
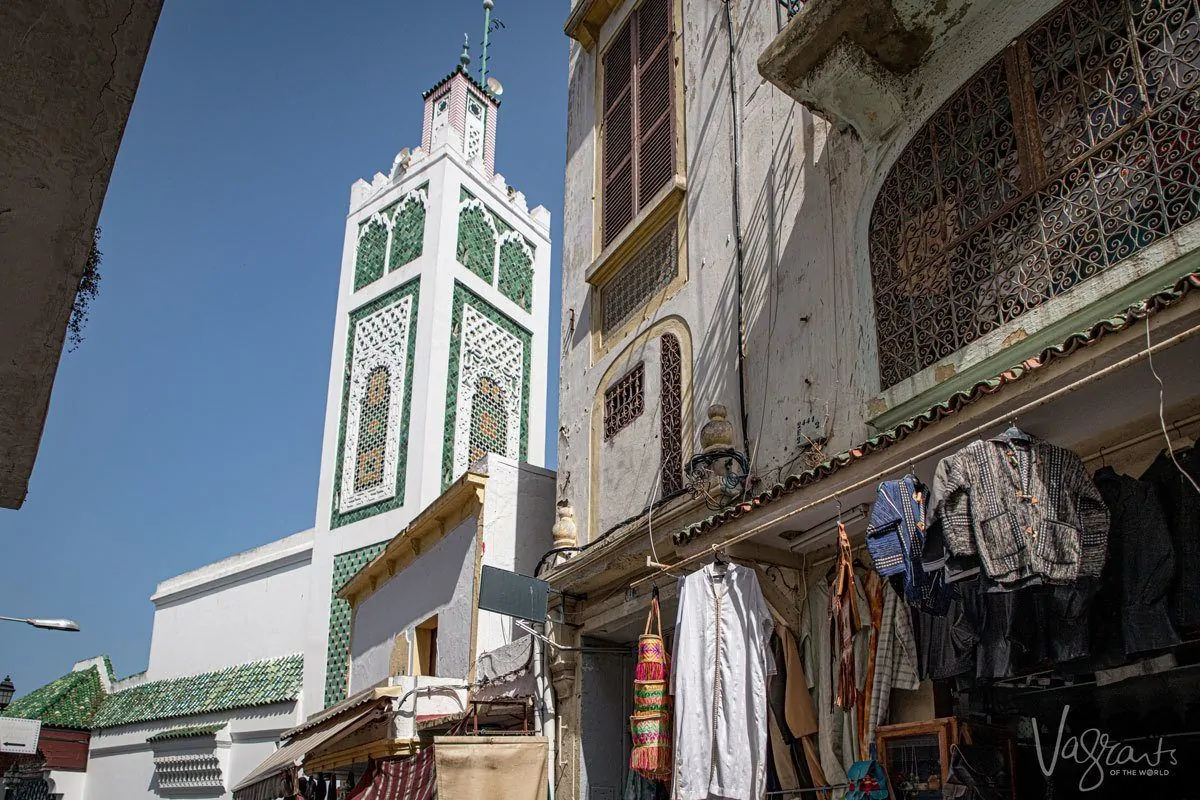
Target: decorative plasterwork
485, 344
188, 772
375, 406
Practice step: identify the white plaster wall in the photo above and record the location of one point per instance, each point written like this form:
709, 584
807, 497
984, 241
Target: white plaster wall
248, 607
518, 513
439, 582
70, 785
121, 763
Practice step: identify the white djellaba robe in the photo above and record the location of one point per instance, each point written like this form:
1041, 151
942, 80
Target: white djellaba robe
721, 666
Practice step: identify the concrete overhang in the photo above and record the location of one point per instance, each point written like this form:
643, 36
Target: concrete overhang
69, 70
848, 60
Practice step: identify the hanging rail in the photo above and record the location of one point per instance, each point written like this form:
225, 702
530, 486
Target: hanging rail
962, 437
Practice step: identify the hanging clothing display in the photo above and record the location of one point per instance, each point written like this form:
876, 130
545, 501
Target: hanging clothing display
896, 540
844, 621
723, 661
1181, 503
895, 660
799, 714
1025, 508
1135, 605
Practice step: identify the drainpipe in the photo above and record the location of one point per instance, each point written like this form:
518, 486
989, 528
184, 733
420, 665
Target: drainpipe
736, 122
544, 718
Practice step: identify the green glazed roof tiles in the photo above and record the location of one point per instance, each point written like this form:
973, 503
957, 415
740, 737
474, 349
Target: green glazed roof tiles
1087, 337
257, 683
186, 733
67, 702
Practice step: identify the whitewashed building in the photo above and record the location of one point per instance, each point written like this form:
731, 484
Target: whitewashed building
223, 681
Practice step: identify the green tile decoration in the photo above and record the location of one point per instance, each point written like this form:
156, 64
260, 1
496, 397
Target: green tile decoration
515, 279
191, 732
476, 242
391, 238
494, 344
411, 289
372, 251
67, 702
408, 229
489, 247
337, 658
257, 683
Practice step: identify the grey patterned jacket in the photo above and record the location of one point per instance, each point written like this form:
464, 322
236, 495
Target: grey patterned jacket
1027, 509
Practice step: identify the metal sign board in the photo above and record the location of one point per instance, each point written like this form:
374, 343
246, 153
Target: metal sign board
19, 735
513, 595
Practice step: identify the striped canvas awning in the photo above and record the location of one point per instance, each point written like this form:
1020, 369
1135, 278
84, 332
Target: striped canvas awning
412, 778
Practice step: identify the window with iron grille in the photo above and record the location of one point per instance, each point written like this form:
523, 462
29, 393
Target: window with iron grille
638, 157
651, 269
789, 8
1074, 149
671, 441
624, 401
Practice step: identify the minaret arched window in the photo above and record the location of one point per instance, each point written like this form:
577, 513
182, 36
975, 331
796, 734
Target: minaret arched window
489, 420
372, 434
1074, 149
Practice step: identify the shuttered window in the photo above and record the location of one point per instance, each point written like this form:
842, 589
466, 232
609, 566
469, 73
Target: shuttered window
639, 137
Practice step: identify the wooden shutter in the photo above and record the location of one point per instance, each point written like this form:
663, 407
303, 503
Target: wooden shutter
617, 200
655, 165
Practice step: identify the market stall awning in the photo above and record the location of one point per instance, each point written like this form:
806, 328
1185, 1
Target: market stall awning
267, 780
509, 767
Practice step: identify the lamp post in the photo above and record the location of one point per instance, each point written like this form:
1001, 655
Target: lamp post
6, 691
47, 624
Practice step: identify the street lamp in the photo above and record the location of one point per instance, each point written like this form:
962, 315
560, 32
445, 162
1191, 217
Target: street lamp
6, 691
47, 624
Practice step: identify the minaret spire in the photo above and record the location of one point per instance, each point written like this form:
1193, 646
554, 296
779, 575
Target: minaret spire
487, 30
464, 57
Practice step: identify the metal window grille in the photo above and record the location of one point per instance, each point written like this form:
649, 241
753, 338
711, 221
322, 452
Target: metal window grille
1076, 148
671, 441
639, 122
372, 434
650, 270
624, 401
489, 420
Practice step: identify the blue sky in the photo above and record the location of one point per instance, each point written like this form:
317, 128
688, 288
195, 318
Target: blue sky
187, 427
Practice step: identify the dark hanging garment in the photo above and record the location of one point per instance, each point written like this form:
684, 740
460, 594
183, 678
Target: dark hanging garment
1181, 504
1142, 561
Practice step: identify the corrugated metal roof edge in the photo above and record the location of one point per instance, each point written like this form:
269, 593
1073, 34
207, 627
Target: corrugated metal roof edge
1085, 338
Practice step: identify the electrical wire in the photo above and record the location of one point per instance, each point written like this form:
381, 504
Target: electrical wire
1162, 421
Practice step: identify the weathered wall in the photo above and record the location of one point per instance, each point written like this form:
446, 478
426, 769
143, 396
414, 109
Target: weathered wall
439, 582
250, 606
70, 71
799, 321
518, 513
